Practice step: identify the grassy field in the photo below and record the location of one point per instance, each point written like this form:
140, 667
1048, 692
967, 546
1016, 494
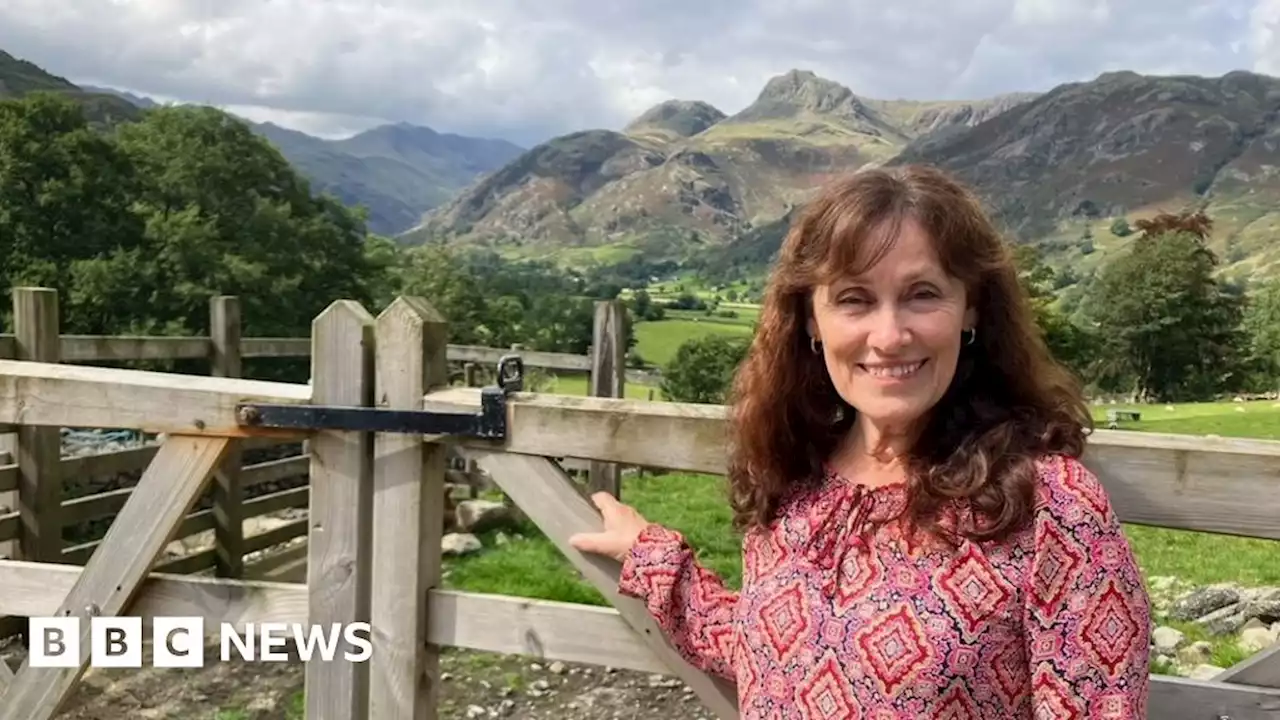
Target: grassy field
530, 566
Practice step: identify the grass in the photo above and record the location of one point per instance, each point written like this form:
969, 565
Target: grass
657, 341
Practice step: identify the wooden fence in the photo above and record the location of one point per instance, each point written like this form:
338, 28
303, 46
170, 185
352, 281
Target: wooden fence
375, 520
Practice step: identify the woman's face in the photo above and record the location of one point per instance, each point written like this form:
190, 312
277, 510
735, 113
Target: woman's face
891, 338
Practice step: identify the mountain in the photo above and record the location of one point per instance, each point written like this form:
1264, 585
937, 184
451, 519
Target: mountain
685, 178
1061, 169
397, 171
1067, 169
20, 77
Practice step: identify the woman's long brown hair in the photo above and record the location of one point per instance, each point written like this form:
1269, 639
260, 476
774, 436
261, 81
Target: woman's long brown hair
1009, 402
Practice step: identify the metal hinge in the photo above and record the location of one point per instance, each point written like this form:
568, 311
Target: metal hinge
489, 423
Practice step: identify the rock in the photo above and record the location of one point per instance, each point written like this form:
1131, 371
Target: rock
1258, 637
1200, 603
557, 668
460, 544
475, 711
476, 516
1195, 653
1166, 639
1267, 609
1224, 621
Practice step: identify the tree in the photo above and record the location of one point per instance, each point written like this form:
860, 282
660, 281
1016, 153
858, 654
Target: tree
1072, 345
1166, 327
703, 368
65, 193
224, 213
1262, 325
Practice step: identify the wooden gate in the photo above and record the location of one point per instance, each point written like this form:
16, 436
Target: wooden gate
376, 520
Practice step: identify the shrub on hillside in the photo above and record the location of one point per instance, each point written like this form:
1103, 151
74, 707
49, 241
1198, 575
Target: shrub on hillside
702, 369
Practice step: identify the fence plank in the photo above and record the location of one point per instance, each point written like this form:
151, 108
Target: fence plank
1183, 482
79, 396
408, 517
341, 494
547, 495
167, 491
99, 348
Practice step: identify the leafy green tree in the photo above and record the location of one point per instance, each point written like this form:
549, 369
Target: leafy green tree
1166, 326
1262, 325
224, 213
1071, 344
65, 193
703, 368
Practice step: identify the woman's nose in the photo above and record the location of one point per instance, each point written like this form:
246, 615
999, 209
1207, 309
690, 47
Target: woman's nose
889, 331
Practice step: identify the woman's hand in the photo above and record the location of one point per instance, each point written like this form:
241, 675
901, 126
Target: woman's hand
622, 525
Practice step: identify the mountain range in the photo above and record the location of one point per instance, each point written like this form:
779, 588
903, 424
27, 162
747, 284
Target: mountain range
397, 171
1068, 169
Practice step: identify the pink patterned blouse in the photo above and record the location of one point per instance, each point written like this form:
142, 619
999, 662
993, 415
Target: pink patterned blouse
842, 616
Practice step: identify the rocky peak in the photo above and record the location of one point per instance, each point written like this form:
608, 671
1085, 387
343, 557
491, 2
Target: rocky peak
799, 91
683, 118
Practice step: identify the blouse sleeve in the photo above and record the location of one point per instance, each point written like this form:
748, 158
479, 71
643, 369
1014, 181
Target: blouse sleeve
689, 602
1088, 616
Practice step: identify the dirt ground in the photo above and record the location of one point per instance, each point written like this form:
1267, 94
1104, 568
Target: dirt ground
475, 685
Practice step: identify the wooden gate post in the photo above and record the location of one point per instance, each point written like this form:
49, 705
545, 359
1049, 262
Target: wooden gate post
408, 516
608, 379
339, 547
35, 320
228, 493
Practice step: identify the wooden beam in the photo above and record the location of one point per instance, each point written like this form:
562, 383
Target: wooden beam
167, 491
532, 358
273, 470
99, 348
1185, 482
1176, 698
408, 517
547, 495
338, 556
543, 629
39, 589
34, 393
501, 624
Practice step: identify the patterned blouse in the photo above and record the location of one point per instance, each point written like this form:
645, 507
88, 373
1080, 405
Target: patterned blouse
843, 616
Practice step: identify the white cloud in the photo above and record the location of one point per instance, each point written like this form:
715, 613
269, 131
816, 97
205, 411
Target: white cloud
527, 70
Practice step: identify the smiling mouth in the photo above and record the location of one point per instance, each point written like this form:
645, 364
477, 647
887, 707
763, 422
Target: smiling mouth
893, 372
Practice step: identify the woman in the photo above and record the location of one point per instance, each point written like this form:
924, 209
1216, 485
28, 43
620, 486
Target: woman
920, 539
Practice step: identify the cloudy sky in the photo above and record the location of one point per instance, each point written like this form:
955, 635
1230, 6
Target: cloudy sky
526, 70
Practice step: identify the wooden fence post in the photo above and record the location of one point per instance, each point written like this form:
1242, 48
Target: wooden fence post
228, 493
35, 325
608, 379
338, 551
408, 516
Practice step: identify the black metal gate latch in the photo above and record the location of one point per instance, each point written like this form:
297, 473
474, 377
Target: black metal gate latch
489, 423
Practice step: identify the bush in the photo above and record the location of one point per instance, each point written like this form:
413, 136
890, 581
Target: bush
703, 368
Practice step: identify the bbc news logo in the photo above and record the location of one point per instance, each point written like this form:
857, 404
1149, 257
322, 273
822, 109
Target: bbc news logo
179, 642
